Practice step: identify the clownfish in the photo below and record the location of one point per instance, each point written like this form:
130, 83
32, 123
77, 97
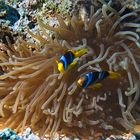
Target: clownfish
66, 61
90, 78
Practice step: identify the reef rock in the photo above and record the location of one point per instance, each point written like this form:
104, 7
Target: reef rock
8, 14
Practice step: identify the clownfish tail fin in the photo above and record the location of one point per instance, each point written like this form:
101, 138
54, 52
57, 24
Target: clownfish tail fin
80, 52
114, 75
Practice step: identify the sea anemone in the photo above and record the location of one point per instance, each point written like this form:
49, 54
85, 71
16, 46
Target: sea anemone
34, 93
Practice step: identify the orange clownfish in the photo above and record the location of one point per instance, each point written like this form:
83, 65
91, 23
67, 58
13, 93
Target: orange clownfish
66, 61
86, 80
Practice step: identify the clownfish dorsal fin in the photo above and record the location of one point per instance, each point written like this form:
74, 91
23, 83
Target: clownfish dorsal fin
57, 62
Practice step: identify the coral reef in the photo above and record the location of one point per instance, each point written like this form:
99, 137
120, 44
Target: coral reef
8, 14
58, 6
32, 3
35, 94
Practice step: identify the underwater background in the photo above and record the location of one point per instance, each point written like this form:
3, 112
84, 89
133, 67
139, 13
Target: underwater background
69, 70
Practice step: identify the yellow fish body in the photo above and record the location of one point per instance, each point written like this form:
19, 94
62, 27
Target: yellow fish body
66, 61
95, 78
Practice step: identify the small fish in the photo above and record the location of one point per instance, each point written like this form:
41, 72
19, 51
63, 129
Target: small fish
90, 78
66, 61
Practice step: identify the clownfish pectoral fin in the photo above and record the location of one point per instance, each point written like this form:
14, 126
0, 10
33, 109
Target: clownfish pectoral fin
91, 87
114, 75
57, 62
98, 85
80, 52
